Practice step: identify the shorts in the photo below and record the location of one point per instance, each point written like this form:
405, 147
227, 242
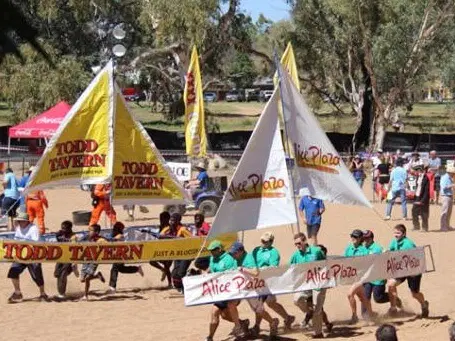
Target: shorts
312, 230
413, 282
35, 271
87, 270
224, 304
268, 298
10, 205
303, 295
256, 304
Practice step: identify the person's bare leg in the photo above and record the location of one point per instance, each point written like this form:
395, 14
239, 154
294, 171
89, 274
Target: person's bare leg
17, 285
214, 321
279, 309
393, 294
360, 293
353, 304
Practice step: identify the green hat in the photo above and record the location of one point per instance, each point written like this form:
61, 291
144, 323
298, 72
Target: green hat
214, 245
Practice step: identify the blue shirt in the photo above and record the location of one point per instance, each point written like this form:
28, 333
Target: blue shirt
311, 207
398, 178
11, 190
22, 183
203, 180
445, 183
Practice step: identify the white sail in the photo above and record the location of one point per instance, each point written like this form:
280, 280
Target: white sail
259, 195
318, 166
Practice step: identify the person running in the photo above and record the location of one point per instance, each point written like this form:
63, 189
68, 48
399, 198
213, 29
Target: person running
377, 289
356, 249
311, 210
308, 253
265, 256
28, 232
63, 270
102, 203
88, 271
447, 186
201, 229
221, 261
11, 199
397, 185
399, 243
421, 204
36, 202
246, 264
117, 235
164, 266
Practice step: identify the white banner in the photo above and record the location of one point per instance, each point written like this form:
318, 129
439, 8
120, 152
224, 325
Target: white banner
318, 165
259, 194
181, 170
329, 273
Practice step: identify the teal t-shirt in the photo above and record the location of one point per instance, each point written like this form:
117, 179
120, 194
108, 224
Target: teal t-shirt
266, 256
375, 249
311, 254
353, 251
247, 261
222, 263
403, 244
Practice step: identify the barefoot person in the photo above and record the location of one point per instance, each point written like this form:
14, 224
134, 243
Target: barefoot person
222, 261
304, 254
63, 270
356, 249
247, 265
117, 235
29, 232
164, 266
88, 272
400, 243
266, 256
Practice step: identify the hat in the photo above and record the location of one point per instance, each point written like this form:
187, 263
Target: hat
200, 165
216, 244
450, 169
236, 247
357, 234
304, 191
368, 234
22, 216
268, 237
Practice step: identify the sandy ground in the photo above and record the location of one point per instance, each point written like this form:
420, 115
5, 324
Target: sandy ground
142, 310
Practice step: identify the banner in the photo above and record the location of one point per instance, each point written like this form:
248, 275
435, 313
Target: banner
204, 289
259, 194
140, 174
318, 166
79, 152
114, 252
195, 137
182, 170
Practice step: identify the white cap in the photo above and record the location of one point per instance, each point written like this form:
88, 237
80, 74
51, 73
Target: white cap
304, 191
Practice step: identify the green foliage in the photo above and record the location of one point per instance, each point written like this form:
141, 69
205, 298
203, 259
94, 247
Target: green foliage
242, 71
35, 86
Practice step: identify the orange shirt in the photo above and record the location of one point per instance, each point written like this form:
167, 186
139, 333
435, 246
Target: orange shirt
38, 195
182, 232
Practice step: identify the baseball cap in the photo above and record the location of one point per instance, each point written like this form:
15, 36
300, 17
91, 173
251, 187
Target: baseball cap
304, 191
216, 244
368, 234
357, 234
236, 247
267, 237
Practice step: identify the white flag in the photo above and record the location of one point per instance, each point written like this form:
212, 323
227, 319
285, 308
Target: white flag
317, 164
259, 194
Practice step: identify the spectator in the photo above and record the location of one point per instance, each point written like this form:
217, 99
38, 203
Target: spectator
266, 256
421, 205
247, 264
381, 176
311, 210
399, 243
356, 168
447, 186
397, 185
306, 253
414, 162
434, 166
11, 200
386, 332
22, 184
28, 232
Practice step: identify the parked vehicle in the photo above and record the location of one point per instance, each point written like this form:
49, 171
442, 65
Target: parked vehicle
251, 95
265, 95
133, 95
235, 96
210, 97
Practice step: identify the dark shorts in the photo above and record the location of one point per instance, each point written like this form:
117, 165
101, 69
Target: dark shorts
10, 205
35, 271
312, 230
413, 282
224, 304
88, 269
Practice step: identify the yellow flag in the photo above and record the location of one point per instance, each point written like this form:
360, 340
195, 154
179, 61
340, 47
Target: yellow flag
140, 174
195, 137
79, 152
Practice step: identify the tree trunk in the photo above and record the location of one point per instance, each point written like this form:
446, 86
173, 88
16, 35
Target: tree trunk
378, 130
